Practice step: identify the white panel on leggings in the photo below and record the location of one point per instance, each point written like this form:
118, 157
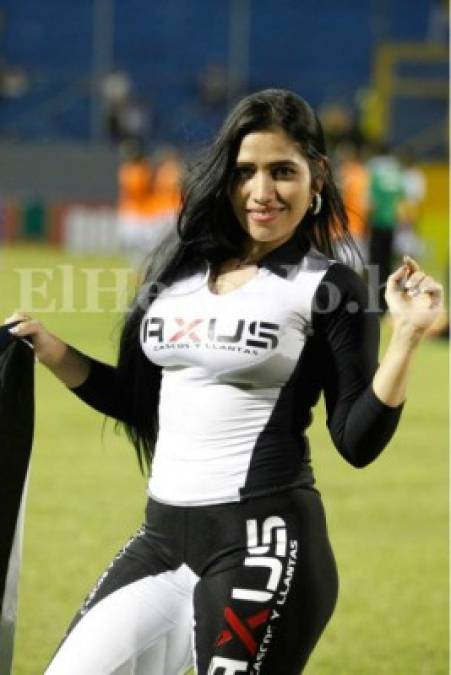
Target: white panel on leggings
126, 624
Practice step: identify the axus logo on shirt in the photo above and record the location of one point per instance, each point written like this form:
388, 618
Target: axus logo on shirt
183, 333
277, 556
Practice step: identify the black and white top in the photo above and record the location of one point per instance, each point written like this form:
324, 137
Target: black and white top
241, 371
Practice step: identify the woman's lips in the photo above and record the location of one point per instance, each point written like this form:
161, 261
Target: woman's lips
263, 216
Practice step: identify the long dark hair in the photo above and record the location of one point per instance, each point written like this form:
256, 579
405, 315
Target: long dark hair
208, 231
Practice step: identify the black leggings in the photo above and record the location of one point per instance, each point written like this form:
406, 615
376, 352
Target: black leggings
258, 578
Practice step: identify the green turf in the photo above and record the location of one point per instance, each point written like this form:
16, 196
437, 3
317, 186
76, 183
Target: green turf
388, 523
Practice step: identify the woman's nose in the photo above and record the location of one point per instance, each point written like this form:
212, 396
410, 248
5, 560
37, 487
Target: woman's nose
262, 188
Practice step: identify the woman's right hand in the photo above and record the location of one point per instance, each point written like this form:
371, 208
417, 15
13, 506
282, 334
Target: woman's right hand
69, 365
46, 347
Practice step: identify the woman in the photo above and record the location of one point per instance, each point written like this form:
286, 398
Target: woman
220, 363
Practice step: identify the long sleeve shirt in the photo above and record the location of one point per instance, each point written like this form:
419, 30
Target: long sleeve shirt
241, 371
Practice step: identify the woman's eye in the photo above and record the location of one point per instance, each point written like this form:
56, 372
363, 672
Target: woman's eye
283, 172
242, 173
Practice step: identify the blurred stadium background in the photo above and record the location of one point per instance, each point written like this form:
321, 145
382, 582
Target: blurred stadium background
79, 82
77, 79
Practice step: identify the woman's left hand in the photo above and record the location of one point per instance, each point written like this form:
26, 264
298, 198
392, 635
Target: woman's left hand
413, 298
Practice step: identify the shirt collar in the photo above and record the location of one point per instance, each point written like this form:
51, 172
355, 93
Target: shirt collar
280, 259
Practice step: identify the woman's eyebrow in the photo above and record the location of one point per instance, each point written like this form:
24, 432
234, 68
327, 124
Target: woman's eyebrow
279, 162
283, 162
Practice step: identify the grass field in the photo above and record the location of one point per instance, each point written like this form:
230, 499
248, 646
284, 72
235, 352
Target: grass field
388, 523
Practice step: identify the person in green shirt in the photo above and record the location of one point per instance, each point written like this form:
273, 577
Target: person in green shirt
386, 192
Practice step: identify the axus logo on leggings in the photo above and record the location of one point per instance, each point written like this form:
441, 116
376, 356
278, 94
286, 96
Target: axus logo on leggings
274, 553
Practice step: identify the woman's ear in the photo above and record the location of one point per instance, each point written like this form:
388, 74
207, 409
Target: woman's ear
317, 186
320, 169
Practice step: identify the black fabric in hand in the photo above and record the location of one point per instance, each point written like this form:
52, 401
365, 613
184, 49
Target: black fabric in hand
6, 337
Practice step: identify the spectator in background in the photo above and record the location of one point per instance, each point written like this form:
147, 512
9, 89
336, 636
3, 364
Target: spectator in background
167, 181
116, 89
340, 124
353, 181
135, 207
407, 239
14, 81
127, 117
148, 200
414, 187
133, 120
386, 192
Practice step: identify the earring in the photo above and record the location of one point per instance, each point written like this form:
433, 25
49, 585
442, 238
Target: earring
316, 205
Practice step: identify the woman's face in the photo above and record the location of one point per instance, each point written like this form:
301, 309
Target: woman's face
272, 187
